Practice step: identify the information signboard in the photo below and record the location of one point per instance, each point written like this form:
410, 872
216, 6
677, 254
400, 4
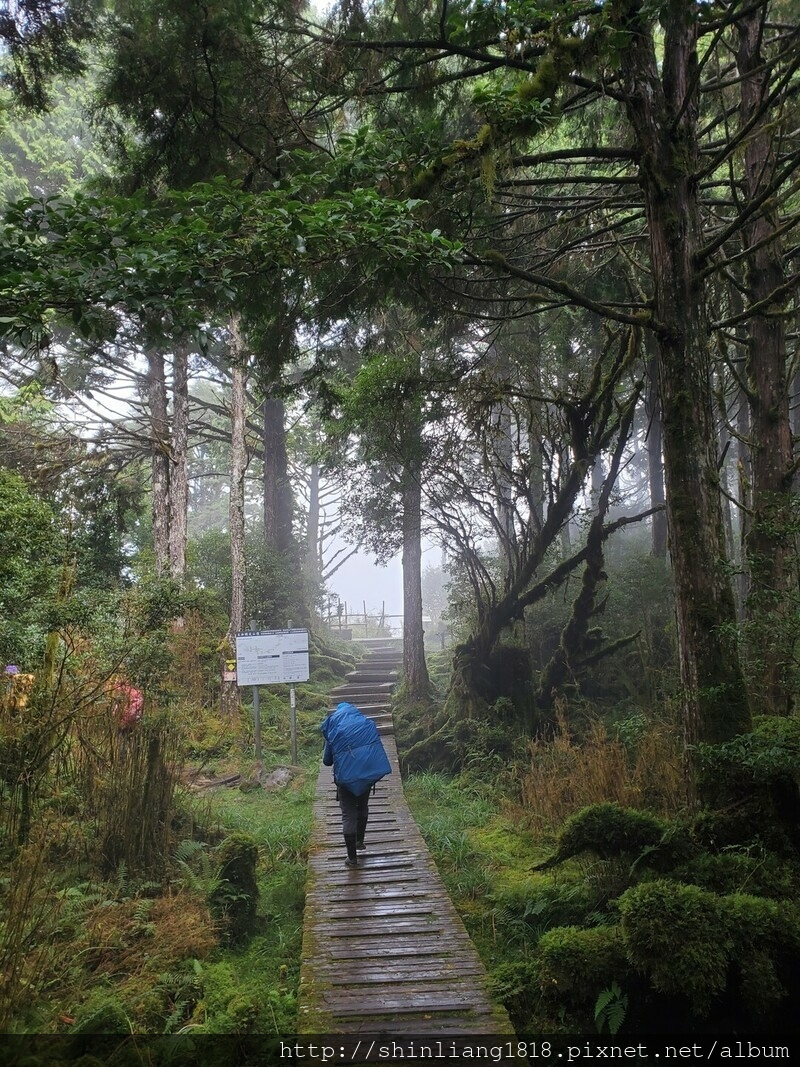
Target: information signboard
267, 657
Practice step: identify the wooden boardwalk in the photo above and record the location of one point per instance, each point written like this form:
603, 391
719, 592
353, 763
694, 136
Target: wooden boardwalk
384, 950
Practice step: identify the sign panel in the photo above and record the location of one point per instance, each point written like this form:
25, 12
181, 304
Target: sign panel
267, 657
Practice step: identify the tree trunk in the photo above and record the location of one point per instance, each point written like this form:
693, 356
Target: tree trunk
415, 670
277, 488
655, 459
179, 470
662, 107
770, 540
313, 560
236, 502
160, 462
744, 490
501, 451
236, 506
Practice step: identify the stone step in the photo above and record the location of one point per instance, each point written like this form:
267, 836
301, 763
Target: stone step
361, 695
385, 686
361, 677
371, 710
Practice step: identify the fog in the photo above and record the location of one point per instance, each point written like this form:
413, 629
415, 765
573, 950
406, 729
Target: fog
361, 579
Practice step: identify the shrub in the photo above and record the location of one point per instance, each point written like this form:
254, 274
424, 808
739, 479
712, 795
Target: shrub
766, 945
233, 899
608, 831
697, 945
678, 936
739, 870
524, 911
516, 987
575, 965
758, 773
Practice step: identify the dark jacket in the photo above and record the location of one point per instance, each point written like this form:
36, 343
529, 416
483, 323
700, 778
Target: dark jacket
354, 748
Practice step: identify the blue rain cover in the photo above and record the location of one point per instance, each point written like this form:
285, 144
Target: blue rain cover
353, 742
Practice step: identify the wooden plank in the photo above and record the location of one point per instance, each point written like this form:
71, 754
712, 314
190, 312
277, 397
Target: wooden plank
403, 970
396, 944
412, 1001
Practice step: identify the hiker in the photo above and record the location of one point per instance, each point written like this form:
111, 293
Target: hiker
354, 749
127, 704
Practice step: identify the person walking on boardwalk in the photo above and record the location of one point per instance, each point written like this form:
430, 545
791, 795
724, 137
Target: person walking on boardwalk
354, 749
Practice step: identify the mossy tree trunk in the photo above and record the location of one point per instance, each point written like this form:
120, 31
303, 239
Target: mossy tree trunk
595, 423
770, 540
179, 471
277, 486
655, 458
415, 671
230, 693
159, 456
661, 101
578, 642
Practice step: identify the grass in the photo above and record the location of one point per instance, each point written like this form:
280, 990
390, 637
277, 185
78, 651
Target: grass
253, 988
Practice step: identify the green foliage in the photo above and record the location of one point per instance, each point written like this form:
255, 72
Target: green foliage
516, 986
136, 800
678, 936
755, 775
525, 909
735, 869
40, 39
47, 153
273, 585
30, 555
769, 752
102, 1014
697, 945
766, 949
183, 253
610, 1009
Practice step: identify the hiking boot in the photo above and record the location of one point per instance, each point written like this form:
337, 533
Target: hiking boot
361, 848
350, 863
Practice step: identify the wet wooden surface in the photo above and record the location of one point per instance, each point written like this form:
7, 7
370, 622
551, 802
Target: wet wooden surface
384, 949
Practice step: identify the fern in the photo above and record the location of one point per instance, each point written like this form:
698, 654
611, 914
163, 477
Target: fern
610, 1009
198, 872
141, 911
188, 849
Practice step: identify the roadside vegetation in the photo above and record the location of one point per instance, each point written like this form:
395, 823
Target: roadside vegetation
154, 882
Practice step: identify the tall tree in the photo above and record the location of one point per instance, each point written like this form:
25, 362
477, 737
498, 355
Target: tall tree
529, 66
661, 99
767, 59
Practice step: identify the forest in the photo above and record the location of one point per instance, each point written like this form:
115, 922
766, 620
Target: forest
280, 283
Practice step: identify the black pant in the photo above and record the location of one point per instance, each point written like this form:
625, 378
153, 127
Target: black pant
355, 812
